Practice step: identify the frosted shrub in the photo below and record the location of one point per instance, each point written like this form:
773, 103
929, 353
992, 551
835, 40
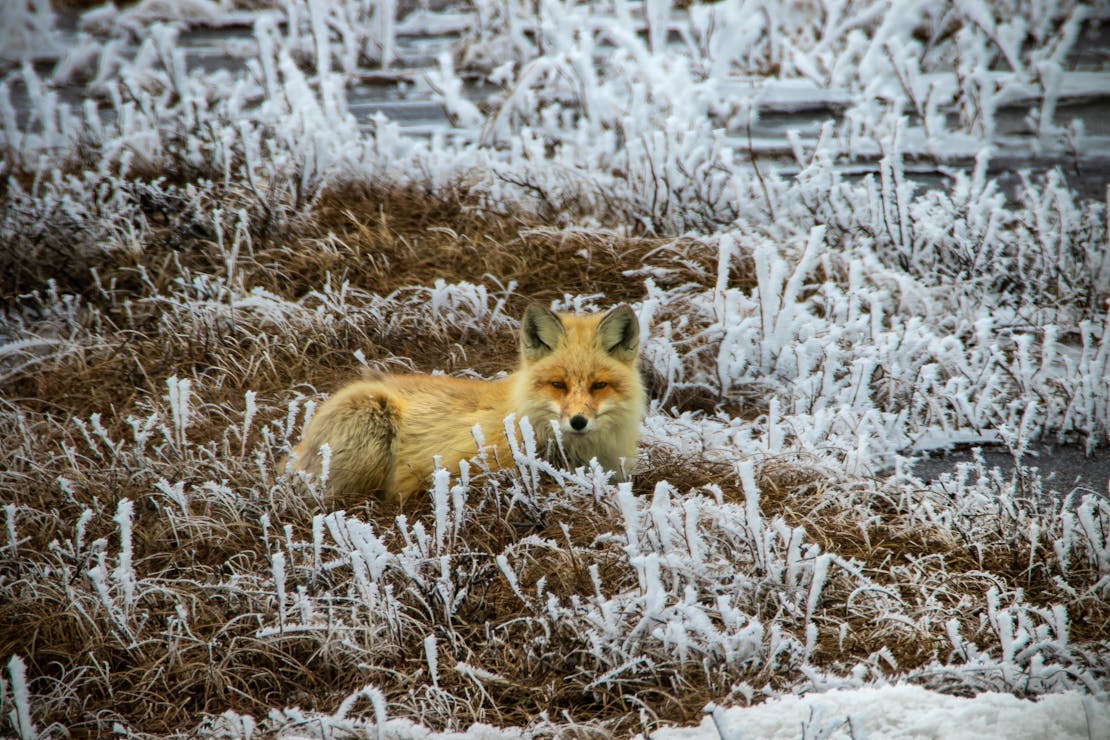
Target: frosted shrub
347, 35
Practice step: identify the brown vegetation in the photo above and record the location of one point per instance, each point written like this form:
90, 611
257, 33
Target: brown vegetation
206, 633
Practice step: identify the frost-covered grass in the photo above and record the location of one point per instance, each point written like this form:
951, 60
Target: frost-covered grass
194, 259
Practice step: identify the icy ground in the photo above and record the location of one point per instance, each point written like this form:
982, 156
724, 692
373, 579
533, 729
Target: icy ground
194, 252
904, 712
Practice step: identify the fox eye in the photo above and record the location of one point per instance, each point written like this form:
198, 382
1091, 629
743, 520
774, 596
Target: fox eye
599, 385
558, 385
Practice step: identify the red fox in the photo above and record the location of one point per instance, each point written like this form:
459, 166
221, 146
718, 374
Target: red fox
578, 374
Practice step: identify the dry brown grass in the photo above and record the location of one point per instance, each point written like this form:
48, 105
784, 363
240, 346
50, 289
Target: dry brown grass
210, 559
924, 564
383, 241
393, 239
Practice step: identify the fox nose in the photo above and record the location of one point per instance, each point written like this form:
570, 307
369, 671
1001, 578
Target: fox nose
578, 422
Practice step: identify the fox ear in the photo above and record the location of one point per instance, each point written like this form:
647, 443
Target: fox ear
540, 332
619, 333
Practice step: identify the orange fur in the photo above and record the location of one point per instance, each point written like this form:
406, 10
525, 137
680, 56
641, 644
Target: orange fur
579, 373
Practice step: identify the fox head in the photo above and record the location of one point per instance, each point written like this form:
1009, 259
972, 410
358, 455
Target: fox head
581, 371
